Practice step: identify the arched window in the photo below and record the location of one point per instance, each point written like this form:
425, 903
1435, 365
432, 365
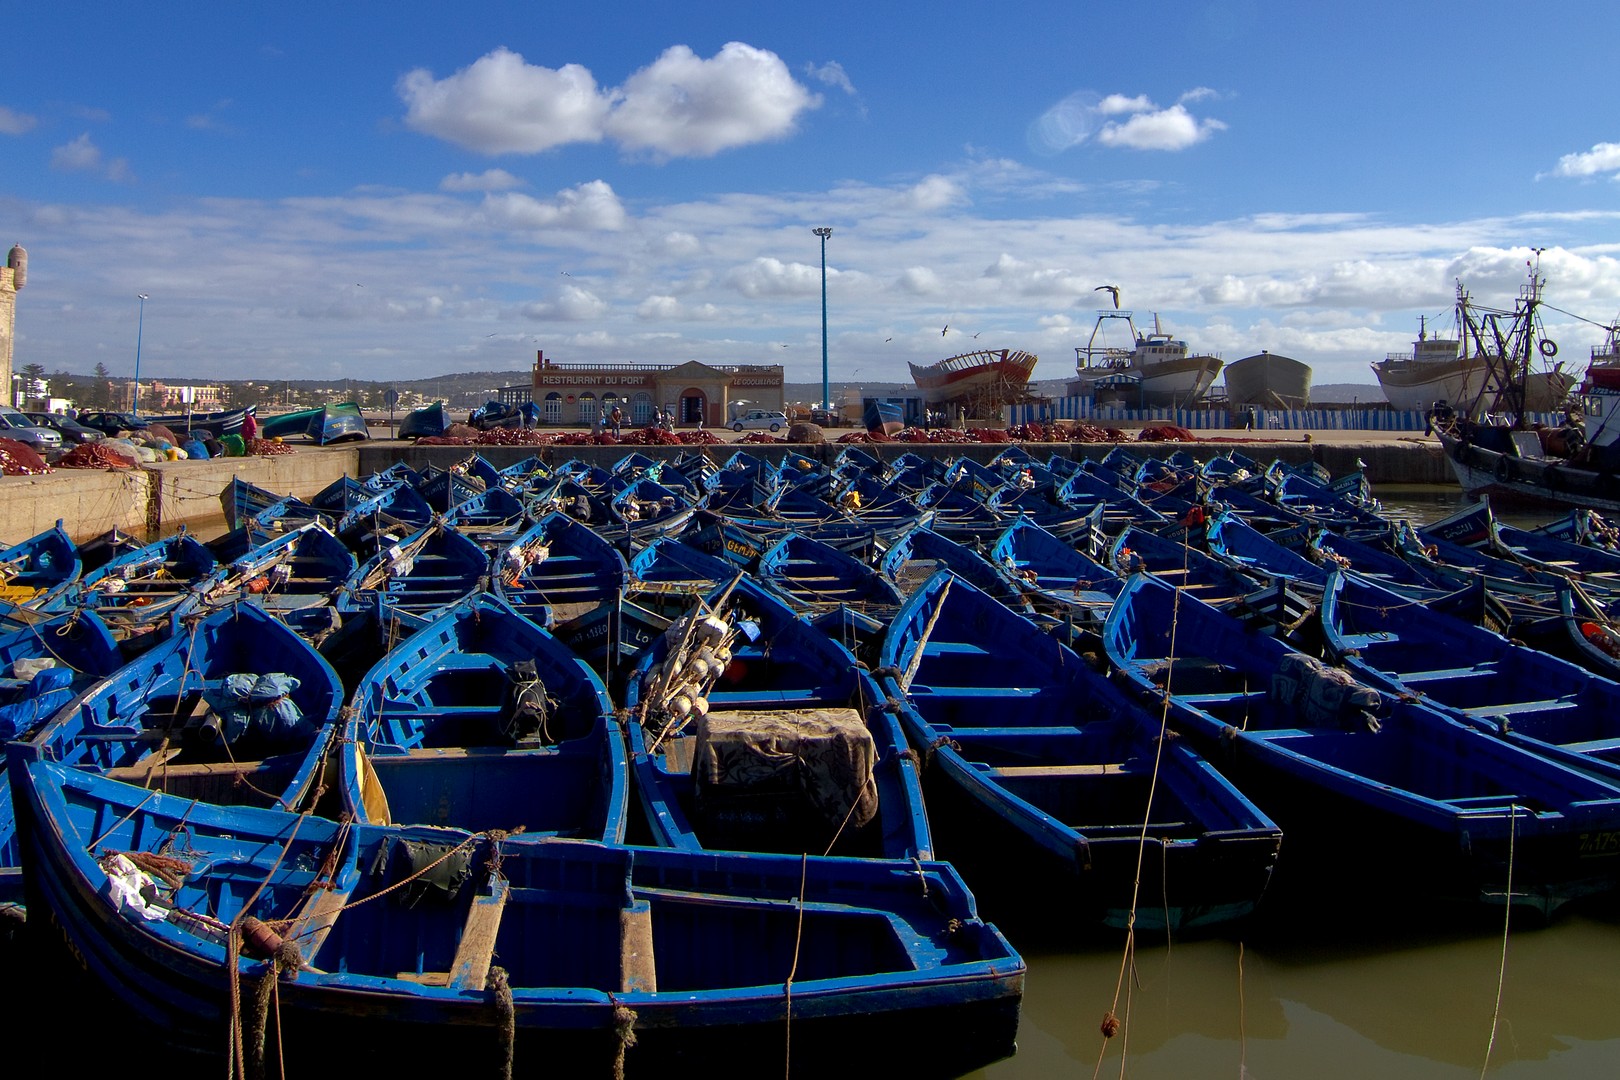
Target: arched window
587, 409
641, 409
552, 412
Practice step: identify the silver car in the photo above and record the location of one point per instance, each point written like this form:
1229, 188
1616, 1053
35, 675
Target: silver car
44, 441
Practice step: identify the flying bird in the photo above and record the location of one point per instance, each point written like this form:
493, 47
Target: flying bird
947, 327
888, 339
565, 273
976, 336
1111, 290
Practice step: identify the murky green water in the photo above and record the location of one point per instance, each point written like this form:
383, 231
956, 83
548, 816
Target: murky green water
1311, 989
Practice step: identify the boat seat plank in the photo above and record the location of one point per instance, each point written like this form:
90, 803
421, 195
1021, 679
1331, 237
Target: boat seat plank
1025, 772
978, 691
315, 921
1361, 641
1516, 708
1442, 674
470, 968
1594, 746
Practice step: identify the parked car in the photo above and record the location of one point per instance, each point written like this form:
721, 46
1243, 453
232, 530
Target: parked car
111, 423
760, 419
70, 429
45, 441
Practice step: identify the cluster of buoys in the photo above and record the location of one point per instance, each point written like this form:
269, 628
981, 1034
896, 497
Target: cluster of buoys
699, 650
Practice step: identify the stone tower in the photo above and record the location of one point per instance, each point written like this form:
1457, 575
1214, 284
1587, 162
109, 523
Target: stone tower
13, 276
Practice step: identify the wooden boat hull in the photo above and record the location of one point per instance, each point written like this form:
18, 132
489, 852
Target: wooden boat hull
596, 943
1052, 775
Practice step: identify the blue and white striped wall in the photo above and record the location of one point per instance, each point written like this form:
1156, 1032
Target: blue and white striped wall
1083, 408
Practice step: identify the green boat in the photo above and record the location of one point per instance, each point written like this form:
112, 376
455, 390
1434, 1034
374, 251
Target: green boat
322, 425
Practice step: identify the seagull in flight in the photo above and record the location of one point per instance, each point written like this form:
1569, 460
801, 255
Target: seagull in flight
947, 327
565, 273
888, 339
976, 336
1112, 290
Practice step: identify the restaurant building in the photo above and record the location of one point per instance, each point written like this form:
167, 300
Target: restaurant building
576, 394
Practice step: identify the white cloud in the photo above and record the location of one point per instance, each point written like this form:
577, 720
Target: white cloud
592, 206
919, 281
1120, 105
1604, 157
83, 155
504, 105
684, 106
1145, 126
80, 155
15, 123
772, 277
664, 308
831, 74
573, 304
935, 193
680, 105
488, 180
1166, 129
678, 244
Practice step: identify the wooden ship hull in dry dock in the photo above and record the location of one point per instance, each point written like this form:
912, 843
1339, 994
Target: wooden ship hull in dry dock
998, 374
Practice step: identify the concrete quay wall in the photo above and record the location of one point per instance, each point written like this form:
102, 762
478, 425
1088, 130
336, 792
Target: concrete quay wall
153, 500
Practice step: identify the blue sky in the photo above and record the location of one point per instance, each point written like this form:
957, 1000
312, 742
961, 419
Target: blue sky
410, 189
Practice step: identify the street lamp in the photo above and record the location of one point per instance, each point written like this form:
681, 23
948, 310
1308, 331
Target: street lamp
140, 323
826, 392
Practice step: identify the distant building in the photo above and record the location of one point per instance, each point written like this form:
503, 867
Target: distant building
576, 394
170, 396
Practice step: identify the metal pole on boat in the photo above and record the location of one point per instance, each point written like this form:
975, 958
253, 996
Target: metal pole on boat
826, 392
140, 324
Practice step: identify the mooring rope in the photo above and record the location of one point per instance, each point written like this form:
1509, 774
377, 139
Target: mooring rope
1111, 1023
1507, 923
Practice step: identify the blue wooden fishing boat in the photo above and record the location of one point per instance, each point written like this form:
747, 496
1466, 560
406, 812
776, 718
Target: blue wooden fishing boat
482, 720
427, 421
38, 570
1061, 782
426, 570
236, 708
568, 956
1178, 563
1456, 812
1057, 579
960, 514
297, 576
323, 426
819, 576
47, 662
141, 592
558, 569
218, 424
493, 518
918, 553
1526, 697
1595, 568
754, 730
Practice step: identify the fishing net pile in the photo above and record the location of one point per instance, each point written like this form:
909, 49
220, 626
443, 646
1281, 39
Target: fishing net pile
20, 459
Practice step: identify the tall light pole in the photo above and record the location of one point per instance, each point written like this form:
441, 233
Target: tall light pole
140, 324
826, 391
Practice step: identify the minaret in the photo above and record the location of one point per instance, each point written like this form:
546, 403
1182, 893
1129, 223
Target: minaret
13, 276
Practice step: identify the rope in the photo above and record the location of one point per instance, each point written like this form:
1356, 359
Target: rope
500, 990
624, 1029
793, 969
1507, 922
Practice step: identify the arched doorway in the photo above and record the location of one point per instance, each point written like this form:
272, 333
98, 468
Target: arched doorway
694, 406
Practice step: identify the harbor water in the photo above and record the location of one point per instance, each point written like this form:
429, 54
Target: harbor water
1334, 987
